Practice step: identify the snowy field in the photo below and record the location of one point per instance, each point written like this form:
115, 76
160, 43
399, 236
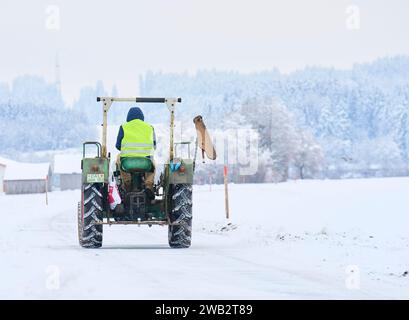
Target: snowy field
304, 239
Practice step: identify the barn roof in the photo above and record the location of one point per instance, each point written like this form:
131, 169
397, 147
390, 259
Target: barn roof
26, 171
67, 163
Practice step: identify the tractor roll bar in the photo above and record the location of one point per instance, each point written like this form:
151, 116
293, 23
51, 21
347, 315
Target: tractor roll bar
97, 144
140, 100
106, 105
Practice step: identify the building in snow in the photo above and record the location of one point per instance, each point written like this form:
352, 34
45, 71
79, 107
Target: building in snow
2, 170
22, 178
3, 165
67, 171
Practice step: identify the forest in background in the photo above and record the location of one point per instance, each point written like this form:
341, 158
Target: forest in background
312, 123
330, 123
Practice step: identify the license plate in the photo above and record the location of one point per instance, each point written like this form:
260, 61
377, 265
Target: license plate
95, 177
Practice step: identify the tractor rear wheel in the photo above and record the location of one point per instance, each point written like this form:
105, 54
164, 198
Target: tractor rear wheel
90, 213
79, 214
180, 234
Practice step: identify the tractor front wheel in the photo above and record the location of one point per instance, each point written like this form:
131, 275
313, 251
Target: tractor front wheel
90, 214
180, 231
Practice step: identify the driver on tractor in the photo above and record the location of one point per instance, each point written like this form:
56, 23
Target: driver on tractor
136, 138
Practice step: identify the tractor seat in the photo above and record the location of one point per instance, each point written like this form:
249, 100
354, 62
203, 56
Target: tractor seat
136, 164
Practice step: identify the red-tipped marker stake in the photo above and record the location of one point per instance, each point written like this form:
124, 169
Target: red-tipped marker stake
226, 192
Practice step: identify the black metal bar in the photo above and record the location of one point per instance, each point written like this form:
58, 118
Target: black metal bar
154, 100
150, 100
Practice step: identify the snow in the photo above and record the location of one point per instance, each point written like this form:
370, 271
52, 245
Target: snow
26, 171
5, 161
67, 163
285, 241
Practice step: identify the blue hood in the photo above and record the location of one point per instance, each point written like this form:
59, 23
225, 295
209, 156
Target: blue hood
135, 113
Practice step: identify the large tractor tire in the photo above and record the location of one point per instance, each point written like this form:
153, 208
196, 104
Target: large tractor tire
90, 212
180, 234
79, 223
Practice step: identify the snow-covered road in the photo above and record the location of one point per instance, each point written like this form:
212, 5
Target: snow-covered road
305, 239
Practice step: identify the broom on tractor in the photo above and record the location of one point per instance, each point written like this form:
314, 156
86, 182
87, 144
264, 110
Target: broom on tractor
172, 200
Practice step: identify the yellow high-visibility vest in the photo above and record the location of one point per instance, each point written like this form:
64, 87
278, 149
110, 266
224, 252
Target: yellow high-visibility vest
137, 140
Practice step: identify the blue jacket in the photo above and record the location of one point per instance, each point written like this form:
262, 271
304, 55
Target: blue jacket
133, 113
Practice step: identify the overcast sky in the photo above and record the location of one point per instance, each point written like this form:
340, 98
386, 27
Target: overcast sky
116, 41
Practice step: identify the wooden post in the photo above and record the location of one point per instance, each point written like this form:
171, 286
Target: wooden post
226, 192
46, 190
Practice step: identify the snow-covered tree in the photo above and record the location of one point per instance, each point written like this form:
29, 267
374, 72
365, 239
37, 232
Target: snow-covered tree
87, 103
309, 157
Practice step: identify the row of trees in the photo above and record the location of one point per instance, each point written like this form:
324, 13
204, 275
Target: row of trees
33, 117
26, 128
316, 122
358, 117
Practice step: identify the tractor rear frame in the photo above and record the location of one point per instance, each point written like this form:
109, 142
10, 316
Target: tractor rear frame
94, 210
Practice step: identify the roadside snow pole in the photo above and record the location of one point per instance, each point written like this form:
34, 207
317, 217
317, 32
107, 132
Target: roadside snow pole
226, 192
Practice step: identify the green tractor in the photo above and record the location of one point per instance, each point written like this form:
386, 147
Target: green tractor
172, 203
